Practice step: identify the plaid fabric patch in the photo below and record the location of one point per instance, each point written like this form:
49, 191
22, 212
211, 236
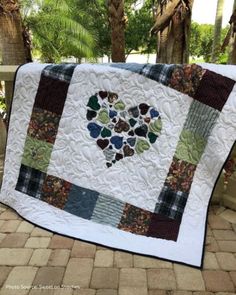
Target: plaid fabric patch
171, 203
159, 72
62, 72
30, 181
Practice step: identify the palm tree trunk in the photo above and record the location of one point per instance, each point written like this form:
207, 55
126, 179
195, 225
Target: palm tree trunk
117, 23
232, 42
217, 31
12, 45
173, 29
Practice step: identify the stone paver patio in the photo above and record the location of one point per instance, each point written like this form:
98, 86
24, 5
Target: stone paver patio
34, 261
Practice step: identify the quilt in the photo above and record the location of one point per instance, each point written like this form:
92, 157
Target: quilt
123, 155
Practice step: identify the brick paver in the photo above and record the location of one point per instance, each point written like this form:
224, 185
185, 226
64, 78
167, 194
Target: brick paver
40, 257
104, 258
35, 256
15, 256
9, 215
25, 227
210, 261
218, 281
233, 277
9, 226
225, 235
227, 246
60, 242
84, 292
49, 276
106, 292
4, 272
82, 249
122, 259
39, 232
217, 222
189, 278
147, 262
133, 281
37, 242
227, 261
161, 279
105, 278
59, 257
21, 277
78, 272
14, 240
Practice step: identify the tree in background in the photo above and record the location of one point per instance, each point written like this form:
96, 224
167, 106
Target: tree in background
201, 42
232, 37
11, 39
217, 31
173, 20
117, 23
139, 21
56, 34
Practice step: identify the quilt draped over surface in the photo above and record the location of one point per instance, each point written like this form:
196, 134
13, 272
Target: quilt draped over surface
124, 155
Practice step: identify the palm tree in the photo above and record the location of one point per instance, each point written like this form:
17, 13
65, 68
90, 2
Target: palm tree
56, 33
232, 40
217, 31
11, 39
117, 23
172, 26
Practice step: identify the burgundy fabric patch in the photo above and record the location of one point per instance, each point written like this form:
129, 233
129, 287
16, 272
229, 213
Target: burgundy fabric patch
51, 94
214, 90
163, 227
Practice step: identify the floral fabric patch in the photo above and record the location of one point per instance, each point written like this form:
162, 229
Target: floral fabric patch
121, 132
37, 154
180, 176
190, 147
214, 90
55, 191
30, 181
43, 125
135, 220
186, 78
81, 201
171, 203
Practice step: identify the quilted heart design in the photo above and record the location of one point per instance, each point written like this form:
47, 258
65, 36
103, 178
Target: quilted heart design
121, 132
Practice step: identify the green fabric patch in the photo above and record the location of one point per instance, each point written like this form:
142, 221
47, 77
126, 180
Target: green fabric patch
190, 147
37, 154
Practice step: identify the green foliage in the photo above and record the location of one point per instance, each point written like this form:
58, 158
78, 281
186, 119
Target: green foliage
56, 33
139, 22
2, 104
201, 42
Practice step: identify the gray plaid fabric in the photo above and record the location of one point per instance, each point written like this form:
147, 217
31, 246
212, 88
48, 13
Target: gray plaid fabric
30, 181
201, 119
62, 72
158, 72
171, 203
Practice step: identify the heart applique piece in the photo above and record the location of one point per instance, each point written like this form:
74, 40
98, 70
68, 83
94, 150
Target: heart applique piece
121, 131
